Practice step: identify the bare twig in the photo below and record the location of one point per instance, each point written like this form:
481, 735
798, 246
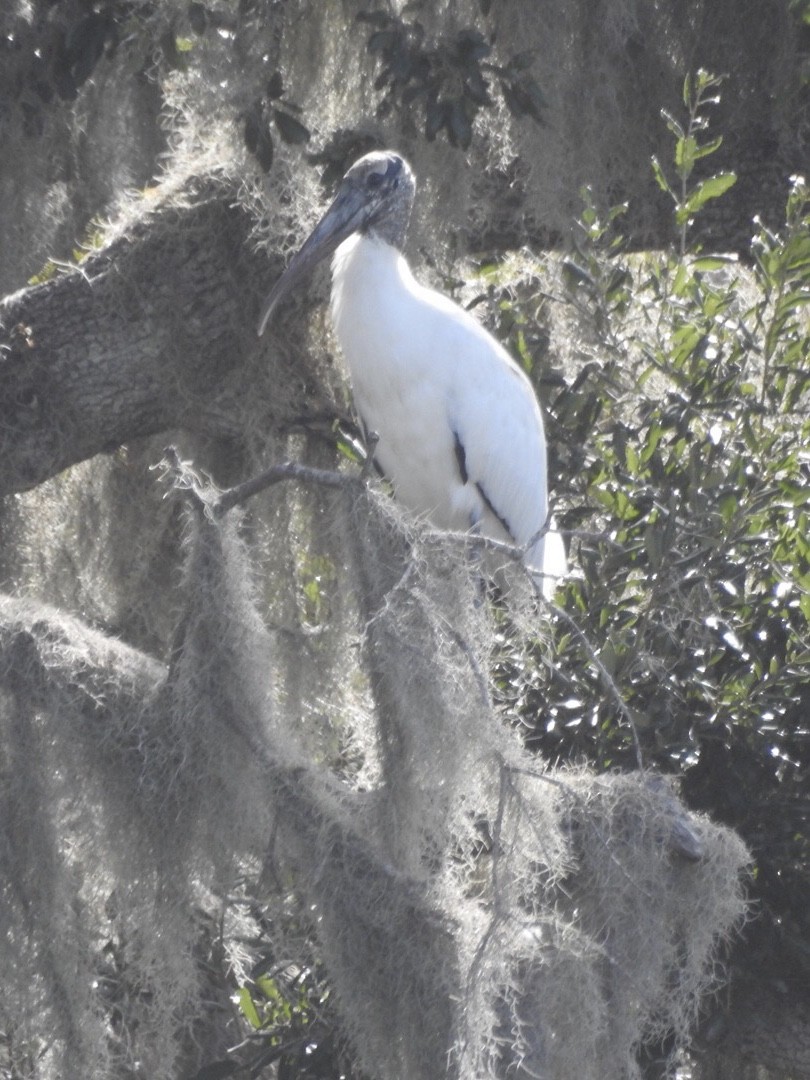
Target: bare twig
218, 502
276, 474
607, 679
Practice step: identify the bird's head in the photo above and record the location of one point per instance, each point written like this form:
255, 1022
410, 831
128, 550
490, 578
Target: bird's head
375, 196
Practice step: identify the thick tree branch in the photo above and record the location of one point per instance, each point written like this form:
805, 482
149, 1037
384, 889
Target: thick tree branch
153, 331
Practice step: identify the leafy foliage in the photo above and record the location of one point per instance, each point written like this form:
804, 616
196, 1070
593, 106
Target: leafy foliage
294, 1026
689, 150
452, 79
682, 451
267, 110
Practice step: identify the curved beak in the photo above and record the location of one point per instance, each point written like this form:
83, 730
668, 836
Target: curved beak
346, 215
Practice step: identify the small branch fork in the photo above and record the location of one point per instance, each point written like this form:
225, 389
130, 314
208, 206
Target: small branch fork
217, 503
186, 478
276, 474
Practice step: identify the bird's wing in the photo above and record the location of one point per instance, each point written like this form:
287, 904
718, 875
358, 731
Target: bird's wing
497, 426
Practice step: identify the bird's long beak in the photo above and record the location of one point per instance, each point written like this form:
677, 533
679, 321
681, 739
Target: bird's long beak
346, 214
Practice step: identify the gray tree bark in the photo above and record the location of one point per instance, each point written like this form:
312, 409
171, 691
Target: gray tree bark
153, 332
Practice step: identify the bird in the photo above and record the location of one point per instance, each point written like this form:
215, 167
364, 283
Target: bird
458, 427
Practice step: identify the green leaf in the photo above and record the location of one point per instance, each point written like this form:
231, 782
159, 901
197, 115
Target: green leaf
673, 125
290, 129
274, 87
576, 275
651, 445
686, 152
687, 89
524, 97
713, 262
728, 507
682, 282
797, 298
607, 654
45, 274
347, 450
268, 987
712, 188
660, 178
527, 360
459, 127
652, 544
797, 252
685, 340
248, 1007
708, 148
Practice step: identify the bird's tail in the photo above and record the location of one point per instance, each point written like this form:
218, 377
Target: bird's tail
549, 558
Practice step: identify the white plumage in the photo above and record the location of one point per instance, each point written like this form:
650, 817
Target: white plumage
459, 427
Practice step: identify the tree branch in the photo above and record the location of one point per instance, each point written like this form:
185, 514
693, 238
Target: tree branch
151, 332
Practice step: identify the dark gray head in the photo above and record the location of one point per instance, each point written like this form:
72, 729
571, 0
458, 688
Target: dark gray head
374, 197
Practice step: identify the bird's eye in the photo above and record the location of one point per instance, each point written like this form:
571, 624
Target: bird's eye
374, 179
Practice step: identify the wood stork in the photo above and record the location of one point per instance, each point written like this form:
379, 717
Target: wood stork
459, 427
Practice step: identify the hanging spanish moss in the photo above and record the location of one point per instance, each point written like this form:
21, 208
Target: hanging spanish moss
278, 720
